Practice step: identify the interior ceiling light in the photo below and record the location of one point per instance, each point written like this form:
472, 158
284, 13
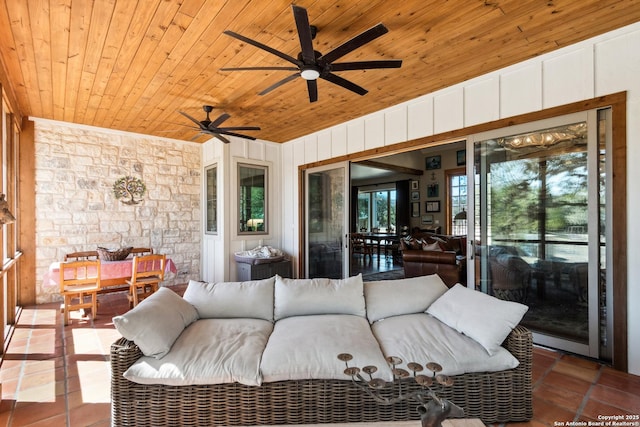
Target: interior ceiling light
546, 138
310, 74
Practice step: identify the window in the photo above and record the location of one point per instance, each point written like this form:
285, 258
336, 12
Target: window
252, 199
377, 210
456, 211
211, 215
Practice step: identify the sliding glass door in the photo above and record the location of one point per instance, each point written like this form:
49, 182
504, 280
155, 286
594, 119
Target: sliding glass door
539, 226
327, 209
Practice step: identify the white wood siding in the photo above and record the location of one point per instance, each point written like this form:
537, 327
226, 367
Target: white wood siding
599, 66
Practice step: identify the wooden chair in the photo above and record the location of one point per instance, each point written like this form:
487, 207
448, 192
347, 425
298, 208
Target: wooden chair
141, 251
79, 256
146, 274
361, 245
79, 281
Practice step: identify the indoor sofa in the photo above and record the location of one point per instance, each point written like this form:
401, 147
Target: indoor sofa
265, 352
426, 253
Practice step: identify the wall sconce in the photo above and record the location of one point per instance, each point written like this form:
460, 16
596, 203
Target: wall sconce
6, 217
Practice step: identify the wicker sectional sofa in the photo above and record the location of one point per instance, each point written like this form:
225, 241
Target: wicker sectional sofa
265, 352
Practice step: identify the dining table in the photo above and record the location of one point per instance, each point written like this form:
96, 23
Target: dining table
113, 274
378, 238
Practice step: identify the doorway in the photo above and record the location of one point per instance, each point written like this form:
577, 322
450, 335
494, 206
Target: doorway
326, 221
540, 211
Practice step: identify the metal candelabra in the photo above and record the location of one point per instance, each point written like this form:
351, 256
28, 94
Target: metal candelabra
433, 409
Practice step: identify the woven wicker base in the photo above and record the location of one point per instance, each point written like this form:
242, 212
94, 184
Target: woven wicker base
493, 397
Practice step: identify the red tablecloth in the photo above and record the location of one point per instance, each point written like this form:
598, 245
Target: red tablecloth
108, 270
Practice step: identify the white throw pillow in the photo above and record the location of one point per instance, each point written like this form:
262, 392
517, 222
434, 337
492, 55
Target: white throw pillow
486, 319
435, 246
300, 297
386, 298
156, 322
251, 299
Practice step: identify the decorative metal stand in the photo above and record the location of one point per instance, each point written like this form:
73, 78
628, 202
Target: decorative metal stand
433, 409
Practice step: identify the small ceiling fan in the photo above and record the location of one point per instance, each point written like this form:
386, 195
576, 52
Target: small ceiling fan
208, 127
312, 65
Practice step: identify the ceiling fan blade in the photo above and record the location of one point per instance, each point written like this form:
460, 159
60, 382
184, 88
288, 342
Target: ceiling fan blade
345, 83
217, 135
312, 87
260, 69
221, 138
218, 121
238, 128
196, 136
304, 34
191, 118
239, 135
366, 65
280, 83
263, 47
354, 43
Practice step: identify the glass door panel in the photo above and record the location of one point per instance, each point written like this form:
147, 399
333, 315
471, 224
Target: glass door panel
326, 221
536, 226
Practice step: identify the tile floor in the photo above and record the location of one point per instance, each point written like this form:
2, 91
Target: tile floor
59, 376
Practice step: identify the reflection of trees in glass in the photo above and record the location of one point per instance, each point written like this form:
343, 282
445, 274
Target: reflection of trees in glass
382, 208
377, 209
523, 192
363, 211
392, 210
212, 200
252, 197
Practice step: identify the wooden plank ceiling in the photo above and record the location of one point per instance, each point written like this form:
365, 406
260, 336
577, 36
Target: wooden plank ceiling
131, 65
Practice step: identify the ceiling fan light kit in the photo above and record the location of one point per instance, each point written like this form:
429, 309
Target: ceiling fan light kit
310, 73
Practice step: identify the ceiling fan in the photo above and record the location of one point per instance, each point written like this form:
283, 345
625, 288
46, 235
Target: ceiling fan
209, 127
312, 65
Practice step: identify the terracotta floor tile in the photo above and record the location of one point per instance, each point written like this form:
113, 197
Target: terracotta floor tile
567, 367
563, 382
547, 412
616, 397
55, 421
89, 414
620, 380
595, 408
559, 396
28, 413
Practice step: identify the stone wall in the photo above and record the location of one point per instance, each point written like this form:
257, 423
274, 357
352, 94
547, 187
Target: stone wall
76, 209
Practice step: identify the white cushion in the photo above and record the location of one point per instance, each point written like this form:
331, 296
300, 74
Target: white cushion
251, 299
297, 297
386, 298
210, 351
307, 347
422, 338
156, 322
486, 319
435, 246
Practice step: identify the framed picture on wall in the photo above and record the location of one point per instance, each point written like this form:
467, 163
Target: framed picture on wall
415, 209
427, 219
415, 196
432, 190
415, 185
432, 206
433, 162
461, 157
